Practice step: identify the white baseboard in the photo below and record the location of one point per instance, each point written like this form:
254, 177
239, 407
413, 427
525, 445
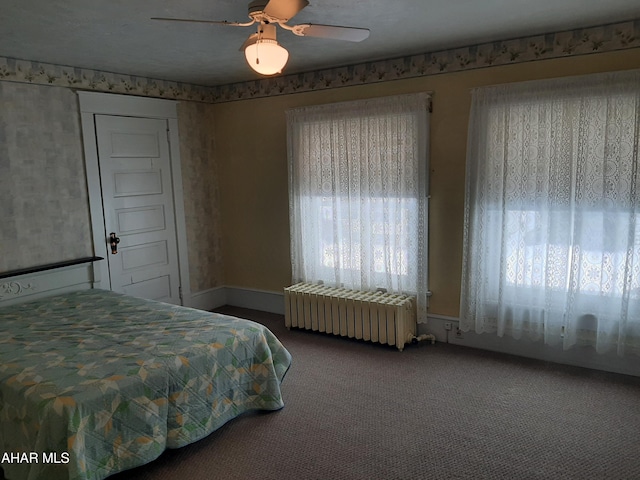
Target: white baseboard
580, 357
209, 299
436, 326
576, 356
263, 300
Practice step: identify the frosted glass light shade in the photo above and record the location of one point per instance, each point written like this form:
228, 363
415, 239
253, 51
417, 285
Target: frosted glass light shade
266, 57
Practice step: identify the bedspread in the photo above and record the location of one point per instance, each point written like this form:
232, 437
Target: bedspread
94, 382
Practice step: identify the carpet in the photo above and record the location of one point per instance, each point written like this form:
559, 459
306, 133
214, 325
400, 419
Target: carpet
356, 411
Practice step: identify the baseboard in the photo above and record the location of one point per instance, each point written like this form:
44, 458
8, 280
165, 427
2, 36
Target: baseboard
264, 300
580, 356
209, 299
436, 326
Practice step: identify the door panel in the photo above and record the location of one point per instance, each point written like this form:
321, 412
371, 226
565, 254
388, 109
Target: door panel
135, 174
140, 220
133, 145
128, 183
156, 287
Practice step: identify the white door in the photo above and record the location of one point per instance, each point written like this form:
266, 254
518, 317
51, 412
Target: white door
135, 175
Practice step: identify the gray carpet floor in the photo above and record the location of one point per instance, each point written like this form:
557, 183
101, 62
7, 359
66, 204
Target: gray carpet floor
357, 410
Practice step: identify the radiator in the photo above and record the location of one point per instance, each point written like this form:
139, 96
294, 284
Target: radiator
372, 316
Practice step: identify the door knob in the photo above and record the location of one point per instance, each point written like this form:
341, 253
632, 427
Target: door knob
114, 240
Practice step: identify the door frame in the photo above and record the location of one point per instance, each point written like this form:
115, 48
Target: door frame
95, 103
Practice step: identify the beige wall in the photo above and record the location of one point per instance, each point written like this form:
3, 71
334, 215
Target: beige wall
43, 192
251, 151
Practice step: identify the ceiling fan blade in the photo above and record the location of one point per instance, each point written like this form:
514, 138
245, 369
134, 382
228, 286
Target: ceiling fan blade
216, 22
284, 9
350, 34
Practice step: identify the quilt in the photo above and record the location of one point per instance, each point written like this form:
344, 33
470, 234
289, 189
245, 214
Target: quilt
94, 382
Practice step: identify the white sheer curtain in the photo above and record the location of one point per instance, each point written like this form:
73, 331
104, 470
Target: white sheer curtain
552, 226
358, 194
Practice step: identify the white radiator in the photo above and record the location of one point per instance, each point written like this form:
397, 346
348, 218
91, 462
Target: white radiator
373, 316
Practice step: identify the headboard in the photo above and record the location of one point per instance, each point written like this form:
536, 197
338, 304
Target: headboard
32, 283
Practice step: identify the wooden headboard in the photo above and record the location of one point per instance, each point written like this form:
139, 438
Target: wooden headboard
26, 284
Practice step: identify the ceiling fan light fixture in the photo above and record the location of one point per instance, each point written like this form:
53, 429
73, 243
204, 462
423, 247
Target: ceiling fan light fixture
266, 56
261, 50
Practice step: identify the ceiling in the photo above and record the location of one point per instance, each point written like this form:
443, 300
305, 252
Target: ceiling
118, 35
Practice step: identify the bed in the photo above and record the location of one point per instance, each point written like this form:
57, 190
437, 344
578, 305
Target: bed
93, 382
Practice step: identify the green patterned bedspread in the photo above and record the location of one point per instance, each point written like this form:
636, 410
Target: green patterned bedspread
94, 382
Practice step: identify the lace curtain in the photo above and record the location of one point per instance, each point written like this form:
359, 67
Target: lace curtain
358, 194
552, 216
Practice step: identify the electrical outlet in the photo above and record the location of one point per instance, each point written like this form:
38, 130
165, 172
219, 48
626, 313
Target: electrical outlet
447, 326
458, 333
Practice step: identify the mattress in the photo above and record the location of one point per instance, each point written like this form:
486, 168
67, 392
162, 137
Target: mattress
94, 382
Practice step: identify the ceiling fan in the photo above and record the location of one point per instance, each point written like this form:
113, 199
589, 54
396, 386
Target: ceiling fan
262, 51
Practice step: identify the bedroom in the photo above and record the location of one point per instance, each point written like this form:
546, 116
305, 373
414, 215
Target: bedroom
235, 184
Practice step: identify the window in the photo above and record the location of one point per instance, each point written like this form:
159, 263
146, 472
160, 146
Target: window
358, 194
552, 227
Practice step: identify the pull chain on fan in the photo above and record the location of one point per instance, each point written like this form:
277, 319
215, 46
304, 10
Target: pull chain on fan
263, 52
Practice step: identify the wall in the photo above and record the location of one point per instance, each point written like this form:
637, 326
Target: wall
201, 195
253, 169
44, 207
43, 194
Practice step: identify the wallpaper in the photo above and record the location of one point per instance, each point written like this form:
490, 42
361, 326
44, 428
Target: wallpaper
582, 41
44, 207
201, 195
44, 214
562, 44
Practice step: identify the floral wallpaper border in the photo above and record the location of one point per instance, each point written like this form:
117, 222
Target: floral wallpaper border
583, 41
563, 44
26, 71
